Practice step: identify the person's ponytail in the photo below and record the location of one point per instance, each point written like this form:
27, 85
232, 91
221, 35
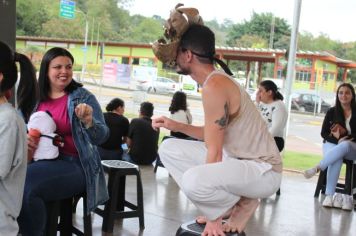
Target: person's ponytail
278, 96
27, 92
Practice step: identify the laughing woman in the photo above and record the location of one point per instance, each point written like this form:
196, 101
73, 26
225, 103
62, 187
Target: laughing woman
80, 122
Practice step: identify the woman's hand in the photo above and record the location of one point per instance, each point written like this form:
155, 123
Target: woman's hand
345, 138
32, 144
338, 131
85, 114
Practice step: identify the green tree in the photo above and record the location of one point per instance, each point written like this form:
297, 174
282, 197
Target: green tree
220, 30
30, 16
145, 30
251, 41
260, 25
306, 41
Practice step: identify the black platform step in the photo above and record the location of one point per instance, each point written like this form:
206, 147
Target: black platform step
192, 228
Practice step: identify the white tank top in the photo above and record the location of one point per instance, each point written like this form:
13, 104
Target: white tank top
247, 135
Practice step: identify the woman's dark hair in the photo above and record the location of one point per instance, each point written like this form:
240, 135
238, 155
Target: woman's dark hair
269, 85
146, 109
179, 102
115, 103
27, 91
339, 111
43, 79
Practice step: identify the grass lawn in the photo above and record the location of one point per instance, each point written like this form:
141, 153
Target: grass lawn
299, 161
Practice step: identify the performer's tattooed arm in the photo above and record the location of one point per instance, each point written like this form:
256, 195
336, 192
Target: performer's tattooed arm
224, 120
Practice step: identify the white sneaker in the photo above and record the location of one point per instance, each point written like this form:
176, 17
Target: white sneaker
338, 200
310, 172
348, 203
328, 201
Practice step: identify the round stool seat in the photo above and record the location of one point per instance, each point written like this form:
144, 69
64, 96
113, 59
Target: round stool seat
118, 164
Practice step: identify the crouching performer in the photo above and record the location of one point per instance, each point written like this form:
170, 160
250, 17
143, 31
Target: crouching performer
238, 162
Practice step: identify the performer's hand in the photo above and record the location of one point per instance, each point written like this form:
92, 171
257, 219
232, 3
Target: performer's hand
165, 122
85, 114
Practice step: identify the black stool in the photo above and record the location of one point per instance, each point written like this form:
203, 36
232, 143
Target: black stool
63, 210
115, 206
349, 187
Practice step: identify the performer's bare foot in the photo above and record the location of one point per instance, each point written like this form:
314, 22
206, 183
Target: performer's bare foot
241, 213
213, 228
203, 219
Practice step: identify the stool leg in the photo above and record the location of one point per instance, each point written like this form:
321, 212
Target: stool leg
278, 192
53, 209
156, 166
348, 180
320, 186
66, 220
121, 194
75, 203
140, 201
87, 219
111, 204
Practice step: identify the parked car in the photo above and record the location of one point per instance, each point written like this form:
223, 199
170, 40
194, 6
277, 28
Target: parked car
158, 85
306, 102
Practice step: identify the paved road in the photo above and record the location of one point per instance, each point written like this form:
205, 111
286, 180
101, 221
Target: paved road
303, 131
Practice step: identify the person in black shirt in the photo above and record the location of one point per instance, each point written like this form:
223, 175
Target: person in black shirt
142, 138
118, 125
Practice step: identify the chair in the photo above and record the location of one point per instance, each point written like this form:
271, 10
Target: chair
115, 207
349, 187
158, 164
280, 145
63, 210
158, 160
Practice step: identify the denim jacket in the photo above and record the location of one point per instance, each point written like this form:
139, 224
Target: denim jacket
85, 141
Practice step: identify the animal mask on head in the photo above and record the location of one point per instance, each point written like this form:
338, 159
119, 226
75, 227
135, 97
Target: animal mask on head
179, 21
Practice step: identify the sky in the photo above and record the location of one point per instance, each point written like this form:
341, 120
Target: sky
336, 18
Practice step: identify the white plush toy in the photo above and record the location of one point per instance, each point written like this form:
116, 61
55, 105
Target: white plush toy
49, 141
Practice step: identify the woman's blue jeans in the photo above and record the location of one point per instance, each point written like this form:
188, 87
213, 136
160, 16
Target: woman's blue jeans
333, 157
48, 180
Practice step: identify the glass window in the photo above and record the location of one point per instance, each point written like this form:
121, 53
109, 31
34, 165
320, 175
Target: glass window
124, 60
136, 61
307, 98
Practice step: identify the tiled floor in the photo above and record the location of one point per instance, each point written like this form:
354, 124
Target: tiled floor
296, 212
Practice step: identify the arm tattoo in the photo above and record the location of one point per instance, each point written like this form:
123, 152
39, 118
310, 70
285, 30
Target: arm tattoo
224, 120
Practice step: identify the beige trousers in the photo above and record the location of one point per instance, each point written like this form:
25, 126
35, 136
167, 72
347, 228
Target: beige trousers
215, 188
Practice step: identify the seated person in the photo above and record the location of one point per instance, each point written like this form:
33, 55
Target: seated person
13, 145
273, 110
142, 139
119, 126
338, 132
180, 112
